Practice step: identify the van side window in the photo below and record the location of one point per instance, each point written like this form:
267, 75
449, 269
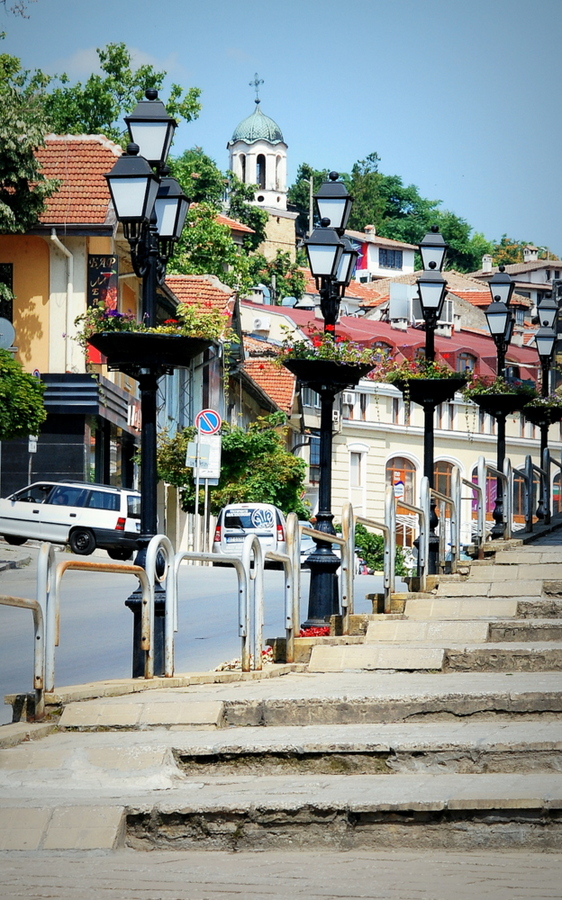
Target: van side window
103, 500
67, 496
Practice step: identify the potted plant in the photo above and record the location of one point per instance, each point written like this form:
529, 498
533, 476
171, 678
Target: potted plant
544, 410
129, 344
498, 396
421, 380
327, 359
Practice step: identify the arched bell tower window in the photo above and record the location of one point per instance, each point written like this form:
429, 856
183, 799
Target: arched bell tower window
260, 171
243, 167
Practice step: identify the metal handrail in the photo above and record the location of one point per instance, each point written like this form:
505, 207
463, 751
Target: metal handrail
423, 543
159, 546
38, 647
113, 568
243, 575
547, 461
444, 501
480, 511
526, 473
291, 569
484, 469
388, 528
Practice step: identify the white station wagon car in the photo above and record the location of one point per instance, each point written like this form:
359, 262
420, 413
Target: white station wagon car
240, 519
83, 515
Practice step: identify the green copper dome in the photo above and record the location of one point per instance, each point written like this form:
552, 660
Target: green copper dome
257, 127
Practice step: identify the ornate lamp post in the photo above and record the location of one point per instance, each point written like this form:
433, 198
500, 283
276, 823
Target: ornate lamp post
152, 208
500, 325
432, 289
331, 259
544, 416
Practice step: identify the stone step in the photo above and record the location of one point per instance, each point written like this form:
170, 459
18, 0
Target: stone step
461, 608
467, 631
427, 656
465, 812
547, 608
453, 747
512, 656
508, 588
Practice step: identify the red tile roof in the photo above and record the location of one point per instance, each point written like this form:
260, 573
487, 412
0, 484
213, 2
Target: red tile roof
201, 289
234, 225
79, 162
276, 381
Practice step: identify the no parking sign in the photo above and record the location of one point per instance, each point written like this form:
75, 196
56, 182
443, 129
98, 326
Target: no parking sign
208, 421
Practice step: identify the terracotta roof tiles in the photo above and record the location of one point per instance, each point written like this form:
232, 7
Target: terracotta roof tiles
277, 382
79, 162
201, 289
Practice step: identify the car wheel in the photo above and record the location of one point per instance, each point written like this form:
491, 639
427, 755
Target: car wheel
14, 539
82, 541
120, 555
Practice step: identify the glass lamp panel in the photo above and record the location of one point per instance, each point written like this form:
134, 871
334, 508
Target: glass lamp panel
497, 316
133, 198
166, 212
501, 288
432, 294
334, 209
182, 213
432, 254
545, 339
346, 266
547, 311
323, 258
154, 139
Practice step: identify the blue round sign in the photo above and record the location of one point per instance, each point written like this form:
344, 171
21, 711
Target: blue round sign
208, 421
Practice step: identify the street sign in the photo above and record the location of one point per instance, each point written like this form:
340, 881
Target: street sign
209, 464
208, 421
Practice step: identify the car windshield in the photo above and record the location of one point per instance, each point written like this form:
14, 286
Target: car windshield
248, 519
36, 493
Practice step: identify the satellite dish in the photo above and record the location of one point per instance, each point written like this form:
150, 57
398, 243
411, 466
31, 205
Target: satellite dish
7, 334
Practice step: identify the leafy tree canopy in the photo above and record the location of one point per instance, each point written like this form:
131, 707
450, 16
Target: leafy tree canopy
21, 405
256, 467
98, 105
23, 189
283, 277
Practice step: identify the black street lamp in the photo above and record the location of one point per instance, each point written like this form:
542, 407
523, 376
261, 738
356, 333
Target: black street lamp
152, 209
331, 259
432, 289
500, 324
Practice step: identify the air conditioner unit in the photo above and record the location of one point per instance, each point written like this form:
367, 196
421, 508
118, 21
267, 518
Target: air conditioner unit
335, 416
261, 323
348, 397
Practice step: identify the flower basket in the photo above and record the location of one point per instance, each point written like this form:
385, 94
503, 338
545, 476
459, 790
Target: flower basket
543, 415
326, 373
500, 404
429, 391
129, 351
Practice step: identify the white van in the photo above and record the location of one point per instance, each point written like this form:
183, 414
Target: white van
83, 515
240, 519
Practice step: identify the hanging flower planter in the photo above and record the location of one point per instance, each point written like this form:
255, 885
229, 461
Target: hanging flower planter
429, 391
499, 397
318, 373
130, 351
542, 414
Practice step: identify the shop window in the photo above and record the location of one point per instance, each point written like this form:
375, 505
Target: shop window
466, 362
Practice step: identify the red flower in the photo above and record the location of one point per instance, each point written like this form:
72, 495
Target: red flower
316, 342
330, 328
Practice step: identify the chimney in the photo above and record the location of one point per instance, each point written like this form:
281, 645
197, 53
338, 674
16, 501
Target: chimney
486, 264
530, 254
370, 231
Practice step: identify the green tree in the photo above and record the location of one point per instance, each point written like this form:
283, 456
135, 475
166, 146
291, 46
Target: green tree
23, 188
98, 105
21, 400
506, 252
199, 176
242, 209
256, 467
283, 277
206, 247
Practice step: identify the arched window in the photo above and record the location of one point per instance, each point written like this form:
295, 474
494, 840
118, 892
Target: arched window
401, 474
260, 171
442, 472
242, 158
278, 173
519, 497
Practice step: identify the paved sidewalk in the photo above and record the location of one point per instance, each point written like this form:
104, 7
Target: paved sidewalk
355, 875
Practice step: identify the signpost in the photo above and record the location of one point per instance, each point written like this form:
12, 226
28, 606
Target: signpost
204, 457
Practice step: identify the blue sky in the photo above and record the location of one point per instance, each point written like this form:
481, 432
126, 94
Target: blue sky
459, 97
